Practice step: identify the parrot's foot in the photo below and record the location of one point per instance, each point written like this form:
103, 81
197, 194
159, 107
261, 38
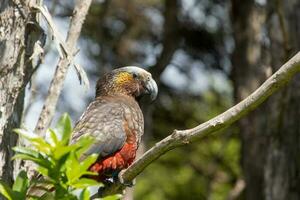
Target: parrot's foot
108, 181
127, 184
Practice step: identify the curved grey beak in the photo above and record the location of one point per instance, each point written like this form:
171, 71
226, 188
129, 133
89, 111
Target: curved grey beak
151, 89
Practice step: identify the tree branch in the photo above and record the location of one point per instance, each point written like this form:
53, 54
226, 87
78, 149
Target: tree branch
170, 40
183, 137
47, 113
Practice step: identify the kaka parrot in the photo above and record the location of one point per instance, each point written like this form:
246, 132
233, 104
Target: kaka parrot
115, 120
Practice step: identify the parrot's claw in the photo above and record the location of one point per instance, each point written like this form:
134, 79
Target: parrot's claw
127, 184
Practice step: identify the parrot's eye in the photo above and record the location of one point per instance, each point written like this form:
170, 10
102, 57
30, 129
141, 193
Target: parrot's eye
134, 75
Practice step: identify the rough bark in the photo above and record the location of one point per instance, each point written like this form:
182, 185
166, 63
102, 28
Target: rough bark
270, 135
248, 72
282, 168
17, 39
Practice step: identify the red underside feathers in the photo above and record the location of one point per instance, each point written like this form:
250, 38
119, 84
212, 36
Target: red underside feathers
116, 162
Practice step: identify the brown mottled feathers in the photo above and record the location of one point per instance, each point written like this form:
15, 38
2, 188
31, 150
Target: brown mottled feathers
112, 121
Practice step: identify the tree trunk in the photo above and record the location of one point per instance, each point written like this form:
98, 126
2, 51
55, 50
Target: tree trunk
17, 37
270, 135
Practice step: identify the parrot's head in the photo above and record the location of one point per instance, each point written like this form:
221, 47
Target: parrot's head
130, 80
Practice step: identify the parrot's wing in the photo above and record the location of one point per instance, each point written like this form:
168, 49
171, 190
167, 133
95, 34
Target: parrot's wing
104, 121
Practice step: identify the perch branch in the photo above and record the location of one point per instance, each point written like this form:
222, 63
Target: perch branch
69, 47
183, 137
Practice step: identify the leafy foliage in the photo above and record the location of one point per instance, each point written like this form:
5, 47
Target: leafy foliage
19, 189
58, 162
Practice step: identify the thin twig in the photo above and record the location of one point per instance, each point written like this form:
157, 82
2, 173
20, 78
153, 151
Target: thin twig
61, 46
220, 122
47, 113
283, 28
237, 189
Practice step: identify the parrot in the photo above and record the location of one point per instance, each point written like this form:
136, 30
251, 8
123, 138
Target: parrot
114, 119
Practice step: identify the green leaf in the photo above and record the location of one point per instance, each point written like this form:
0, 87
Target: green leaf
63, 150
85, 164
84, 195
58, 161
64, 128
112, 197
53, 137
28, 157
75, 170
72, 167
29, 154
60, 166
6, 191
86, 182
38, 142
24, 133
27, 151
41, 145
42, 170
21, 184
84, 144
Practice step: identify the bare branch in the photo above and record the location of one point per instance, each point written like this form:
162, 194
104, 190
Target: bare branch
283, 28
183, 137
79, 14
58, 39
237, 190
171, 38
